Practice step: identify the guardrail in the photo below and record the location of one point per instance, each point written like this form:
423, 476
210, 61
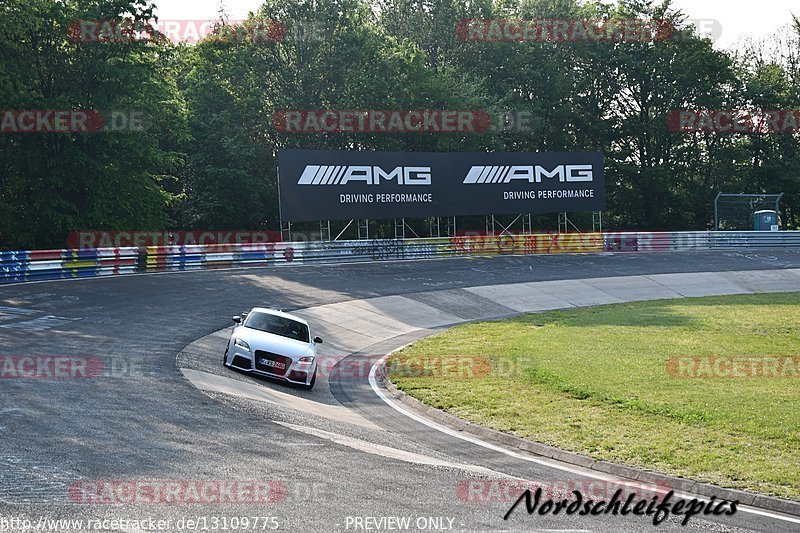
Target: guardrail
77, 263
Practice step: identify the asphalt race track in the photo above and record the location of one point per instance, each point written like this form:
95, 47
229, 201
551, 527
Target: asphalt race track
354, 456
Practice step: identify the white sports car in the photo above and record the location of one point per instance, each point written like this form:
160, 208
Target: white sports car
274, 344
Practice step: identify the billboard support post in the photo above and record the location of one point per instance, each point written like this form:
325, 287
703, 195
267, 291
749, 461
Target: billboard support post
363, 228
451, 226
507, 229
434, 227
400, 226
324, 230
527, 224
563, 223
566, 224
286, 229
597, 221
343, 230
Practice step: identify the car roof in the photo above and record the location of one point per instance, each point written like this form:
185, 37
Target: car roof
276, 312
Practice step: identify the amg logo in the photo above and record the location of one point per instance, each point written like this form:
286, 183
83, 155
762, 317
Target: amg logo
532, 174
341, 175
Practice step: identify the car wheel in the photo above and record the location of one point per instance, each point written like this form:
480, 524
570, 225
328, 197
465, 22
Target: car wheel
225, 358
313, 380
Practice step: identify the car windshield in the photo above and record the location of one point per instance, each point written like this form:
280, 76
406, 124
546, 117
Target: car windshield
285, 327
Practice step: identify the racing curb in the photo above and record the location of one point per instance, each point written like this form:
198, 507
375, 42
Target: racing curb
760, 501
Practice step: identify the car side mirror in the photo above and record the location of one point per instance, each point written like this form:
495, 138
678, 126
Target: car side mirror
317, 340
237, 319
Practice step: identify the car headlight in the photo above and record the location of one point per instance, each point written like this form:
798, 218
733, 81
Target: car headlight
308, 359
241, 344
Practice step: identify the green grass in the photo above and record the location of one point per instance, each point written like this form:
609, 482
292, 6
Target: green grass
595, 381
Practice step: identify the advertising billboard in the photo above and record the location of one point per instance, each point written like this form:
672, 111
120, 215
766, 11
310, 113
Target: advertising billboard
344, 185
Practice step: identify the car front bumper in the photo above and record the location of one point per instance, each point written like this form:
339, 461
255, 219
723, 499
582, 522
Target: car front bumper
298, 373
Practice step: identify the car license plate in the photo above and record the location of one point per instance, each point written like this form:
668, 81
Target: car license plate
274, 364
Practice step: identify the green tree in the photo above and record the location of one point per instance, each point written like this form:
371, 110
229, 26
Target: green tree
54, 183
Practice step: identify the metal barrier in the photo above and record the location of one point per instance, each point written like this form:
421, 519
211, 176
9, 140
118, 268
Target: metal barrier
77, 263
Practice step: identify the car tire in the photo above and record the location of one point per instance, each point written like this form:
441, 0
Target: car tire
225, 358
313, 380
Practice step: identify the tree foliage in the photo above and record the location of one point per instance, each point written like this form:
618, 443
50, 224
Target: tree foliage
207, 157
